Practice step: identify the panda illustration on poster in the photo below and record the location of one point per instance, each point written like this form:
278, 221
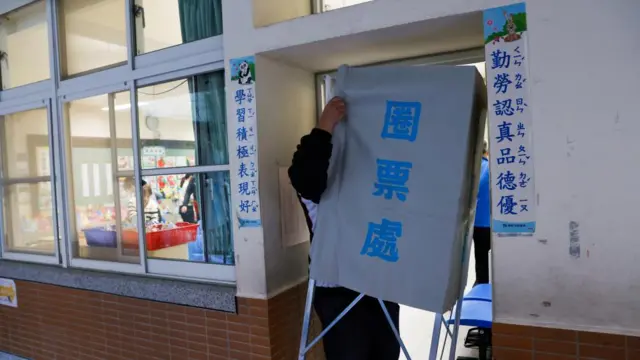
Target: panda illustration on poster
243, 70
244, 75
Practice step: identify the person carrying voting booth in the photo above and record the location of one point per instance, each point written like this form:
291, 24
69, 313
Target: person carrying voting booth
363, 333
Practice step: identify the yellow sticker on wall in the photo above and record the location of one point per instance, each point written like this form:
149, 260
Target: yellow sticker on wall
8, 293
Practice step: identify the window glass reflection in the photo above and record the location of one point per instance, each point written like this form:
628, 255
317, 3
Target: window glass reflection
190, 220
164, 23
103, 191
27, 202
20, 64
93, 34
183, 123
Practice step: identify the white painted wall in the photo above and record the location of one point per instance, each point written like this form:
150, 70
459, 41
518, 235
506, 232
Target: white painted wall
587, 152
584, 77
238, 41
263, 268
352, 20
286, 108
286, 111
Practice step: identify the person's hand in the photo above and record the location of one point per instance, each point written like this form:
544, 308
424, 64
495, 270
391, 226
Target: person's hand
332, 114
183, 209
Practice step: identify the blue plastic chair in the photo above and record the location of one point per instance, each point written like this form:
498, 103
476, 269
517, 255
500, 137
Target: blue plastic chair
480, 292
475, 313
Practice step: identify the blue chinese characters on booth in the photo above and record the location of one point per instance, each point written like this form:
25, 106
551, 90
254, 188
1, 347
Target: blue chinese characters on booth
392, 179
401, 122
382, 240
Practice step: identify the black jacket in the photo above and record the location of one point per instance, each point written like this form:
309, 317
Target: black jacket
190, 191
309, 169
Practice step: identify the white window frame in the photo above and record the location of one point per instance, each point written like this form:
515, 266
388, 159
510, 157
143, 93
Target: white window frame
6, 6
176, 62
318, 6
199, 270
9, 108
325, 81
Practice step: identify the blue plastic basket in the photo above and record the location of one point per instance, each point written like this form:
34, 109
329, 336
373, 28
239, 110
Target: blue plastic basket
196, 250
100, 237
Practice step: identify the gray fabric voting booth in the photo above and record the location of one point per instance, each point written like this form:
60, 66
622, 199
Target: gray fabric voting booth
396, 212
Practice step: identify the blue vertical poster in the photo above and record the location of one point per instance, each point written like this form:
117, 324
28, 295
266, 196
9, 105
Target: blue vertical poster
510, 121
244, 127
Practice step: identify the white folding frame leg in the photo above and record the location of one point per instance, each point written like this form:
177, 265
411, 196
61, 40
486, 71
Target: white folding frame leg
439, 321
435, 337
456, 331
304, 348
394, 329
439, 318
307, 319
466, 252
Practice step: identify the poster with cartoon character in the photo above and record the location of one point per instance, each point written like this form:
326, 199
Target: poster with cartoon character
510, 122
8, 293
244, 127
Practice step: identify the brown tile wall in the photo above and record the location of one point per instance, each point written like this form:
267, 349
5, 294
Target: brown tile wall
516, 342
57, 323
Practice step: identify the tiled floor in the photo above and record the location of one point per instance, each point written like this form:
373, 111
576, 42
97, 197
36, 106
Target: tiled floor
416, 327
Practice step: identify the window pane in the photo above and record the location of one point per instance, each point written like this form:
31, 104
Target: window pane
28, 221
164, 23
20, 64
195, 217
101, 152
93, 34
183, 123
27, 203
25, 144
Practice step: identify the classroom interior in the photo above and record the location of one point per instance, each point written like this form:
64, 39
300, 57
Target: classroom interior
99, 146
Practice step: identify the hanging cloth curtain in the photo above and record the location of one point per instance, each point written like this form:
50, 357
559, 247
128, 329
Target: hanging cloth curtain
200, 19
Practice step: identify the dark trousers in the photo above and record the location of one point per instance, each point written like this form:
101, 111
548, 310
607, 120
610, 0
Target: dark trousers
363, 333
189, 215
482, 245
